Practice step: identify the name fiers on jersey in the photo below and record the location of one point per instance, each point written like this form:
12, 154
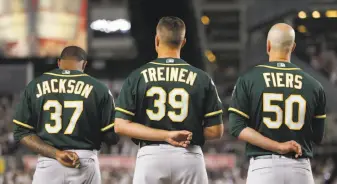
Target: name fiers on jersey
169, 74
282, 80
70, 86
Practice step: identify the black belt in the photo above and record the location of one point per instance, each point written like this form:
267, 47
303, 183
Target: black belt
277, 156
142, 143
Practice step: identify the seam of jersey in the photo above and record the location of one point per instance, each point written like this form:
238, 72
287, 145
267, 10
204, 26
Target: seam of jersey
166, 64
124, 111
238, 112
60, 75
107, 127
22, 124
276, 68
320, 116
213, 113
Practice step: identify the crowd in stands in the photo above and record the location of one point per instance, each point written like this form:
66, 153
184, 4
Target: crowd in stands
323, 58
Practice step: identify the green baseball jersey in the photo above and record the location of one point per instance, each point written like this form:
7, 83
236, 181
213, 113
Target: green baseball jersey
67, 109
170, 94
280, 101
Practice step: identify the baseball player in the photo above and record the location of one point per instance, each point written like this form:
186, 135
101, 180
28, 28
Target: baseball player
64, 115
160, 104
279, 110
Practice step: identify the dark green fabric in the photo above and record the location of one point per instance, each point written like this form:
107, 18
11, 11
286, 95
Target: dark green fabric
62, 89
278, 83
142, 92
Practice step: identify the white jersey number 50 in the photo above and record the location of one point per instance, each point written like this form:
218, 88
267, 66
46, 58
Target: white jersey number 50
268, 106
160, 104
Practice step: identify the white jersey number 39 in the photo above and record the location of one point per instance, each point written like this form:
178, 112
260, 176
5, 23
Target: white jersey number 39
160, 104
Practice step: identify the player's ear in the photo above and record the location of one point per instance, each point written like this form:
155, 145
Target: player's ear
84, 65
156, 43
268, 46
183, 43
294, 46
58, 63
156, 40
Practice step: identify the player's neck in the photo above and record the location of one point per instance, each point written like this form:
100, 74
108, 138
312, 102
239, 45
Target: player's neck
276, 56
69, 68
168, 53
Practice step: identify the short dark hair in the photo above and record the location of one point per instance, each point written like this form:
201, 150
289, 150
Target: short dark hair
73, 53
172, 30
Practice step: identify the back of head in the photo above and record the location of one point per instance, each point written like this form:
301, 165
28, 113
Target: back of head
171, 31
73, 53
72, 58
281, 38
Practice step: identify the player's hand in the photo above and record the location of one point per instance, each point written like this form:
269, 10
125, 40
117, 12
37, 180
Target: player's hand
290, 146
179, 138
68, 159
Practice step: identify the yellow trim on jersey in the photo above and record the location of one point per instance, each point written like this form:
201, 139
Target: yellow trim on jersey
238, 112
168, 64
62, 75
213, 113
320, 116
124, 111
22, 124
277, 68
107, 127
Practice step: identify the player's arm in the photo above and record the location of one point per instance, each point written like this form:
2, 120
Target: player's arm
213, 123
239, 129
124, 125
238, 124
109, 135
24, 132
318, 123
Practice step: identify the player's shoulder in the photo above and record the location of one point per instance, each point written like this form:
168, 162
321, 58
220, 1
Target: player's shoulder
314, 82
249, 74
99, 86
96, 82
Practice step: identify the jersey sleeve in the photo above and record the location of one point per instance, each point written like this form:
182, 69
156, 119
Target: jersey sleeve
23, 113
240, 101
126, 104
318, 122
23, 117
108, 112
213, 110
320, 108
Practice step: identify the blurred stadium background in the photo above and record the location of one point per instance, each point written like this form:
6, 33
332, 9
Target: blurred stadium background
224, 38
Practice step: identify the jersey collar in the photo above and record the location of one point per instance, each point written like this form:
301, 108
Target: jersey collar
66, 73
279, 65
169, 61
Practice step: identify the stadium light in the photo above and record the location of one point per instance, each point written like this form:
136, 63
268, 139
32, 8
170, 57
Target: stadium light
210, 56
205, 20
302, 15
331, 13
301, 29
316, 14
109, 26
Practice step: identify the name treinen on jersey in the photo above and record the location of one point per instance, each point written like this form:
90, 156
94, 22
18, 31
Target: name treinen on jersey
63, 86
282, 80
169, 74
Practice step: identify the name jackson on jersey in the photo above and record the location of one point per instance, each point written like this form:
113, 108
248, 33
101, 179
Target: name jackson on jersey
63, 86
